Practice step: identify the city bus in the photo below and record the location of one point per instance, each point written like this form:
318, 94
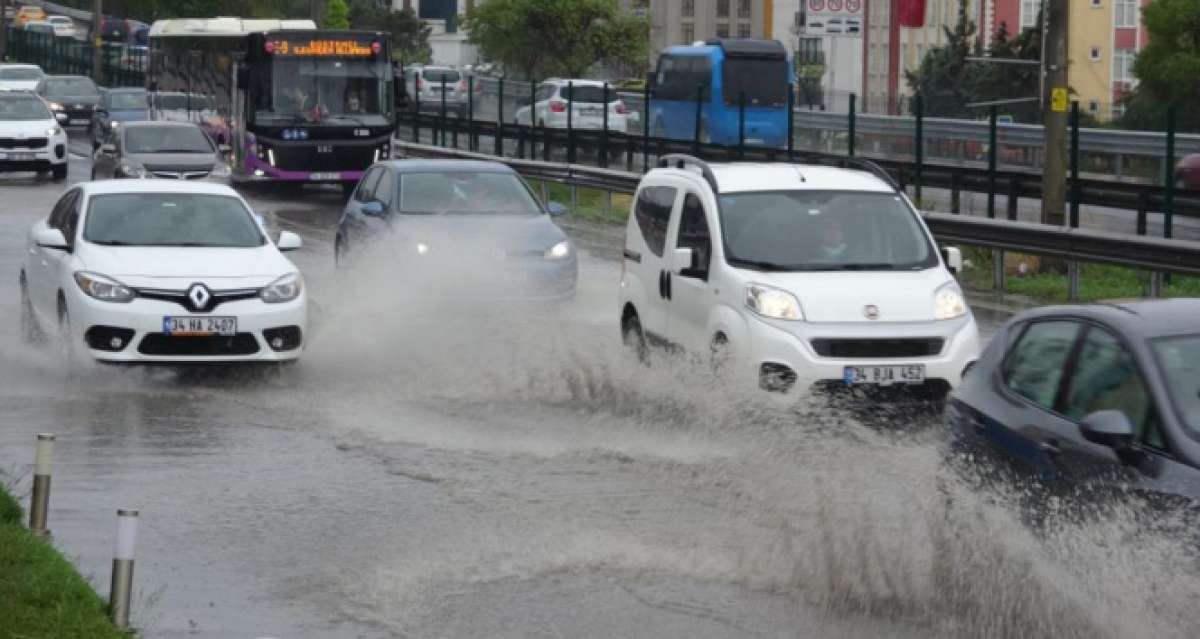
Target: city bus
720, 75
294, 103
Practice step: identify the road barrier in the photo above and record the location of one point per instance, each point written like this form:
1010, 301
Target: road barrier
1158, 255
121, 587
39, 502
68, 56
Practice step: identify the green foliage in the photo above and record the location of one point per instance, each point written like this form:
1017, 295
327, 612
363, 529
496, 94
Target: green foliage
10, 510
337, 15
557, 37
1168, 69
410, 37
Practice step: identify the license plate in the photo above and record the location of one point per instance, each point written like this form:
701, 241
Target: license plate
884, 375
176, 326
77, 121
589, 111
324, 176
17, 157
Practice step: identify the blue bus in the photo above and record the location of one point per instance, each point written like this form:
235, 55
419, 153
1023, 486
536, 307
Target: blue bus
722, 72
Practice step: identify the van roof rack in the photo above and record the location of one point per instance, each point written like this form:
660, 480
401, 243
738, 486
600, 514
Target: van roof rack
683, 160
872, 168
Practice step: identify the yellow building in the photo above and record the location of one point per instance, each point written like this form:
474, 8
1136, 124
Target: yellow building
1103, 38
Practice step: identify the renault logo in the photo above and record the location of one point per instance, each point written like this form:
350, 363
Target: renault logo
871, 312
199, 296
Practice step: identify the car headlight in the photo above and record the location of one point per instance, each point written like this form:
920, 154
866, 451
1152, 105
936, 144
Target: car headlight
559, 251
774, 303
103, 288
221, 170
948, 303
133, 170
54, 106
284, 289
112, 126
54, 131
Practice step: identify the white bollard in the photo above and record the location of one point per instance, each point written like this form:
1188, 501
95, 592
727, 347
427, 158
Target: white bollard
122, 570
39, 505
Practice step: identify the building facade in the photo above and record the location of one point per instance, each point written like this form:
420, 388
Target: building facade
447, 40
675, 22
889, 50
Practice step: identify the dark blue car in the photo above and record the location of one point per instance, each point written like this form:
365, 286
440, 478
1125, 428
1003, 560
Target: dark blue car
1092, 398
467, 229
116, 107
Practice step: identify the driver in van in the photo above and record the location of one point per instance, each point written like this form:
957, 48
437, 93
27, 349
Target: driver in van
833, 239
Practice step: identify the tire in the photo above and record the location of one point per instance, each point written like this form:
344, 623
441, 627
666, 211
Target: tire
31, 332
59, 173
635, 338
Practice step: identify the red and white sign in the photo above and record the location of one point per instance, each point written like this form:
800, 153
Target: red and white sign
833, 17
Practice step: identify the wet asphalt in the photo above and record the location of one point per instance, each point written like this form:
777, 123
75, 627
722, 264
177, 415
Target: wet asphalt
457, 471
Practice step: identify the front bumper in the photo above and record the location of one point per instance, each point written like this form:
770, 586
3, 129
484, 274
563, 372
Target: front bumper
147, 343
43, 159
777, 347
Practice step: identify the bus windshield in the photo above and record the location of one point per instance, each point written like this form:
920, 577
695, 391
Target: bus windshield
323, 90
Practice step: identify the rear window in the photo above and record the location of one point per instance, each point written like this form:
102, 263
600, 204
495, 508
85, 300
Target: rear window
587, 94
126, 101
441, 75
182, 102
26, 74
764, 82
73, 86
653, 213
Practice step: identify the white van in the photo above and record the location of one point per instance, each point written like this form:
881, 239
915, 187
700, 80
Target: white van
795, 274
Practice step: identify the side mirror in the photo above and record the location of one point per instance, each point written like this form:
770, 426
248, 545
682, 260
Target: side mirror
108, 149
288, 241
684, 261
61, 117
1108, 428
953, 258
556, 209
374, 208
51, 239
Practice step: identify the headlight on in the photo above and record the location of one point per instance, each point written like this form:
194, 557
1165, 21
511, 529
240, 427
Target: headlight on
774, 303
132, 170
220, 171
103, 288
113, 125
284, 289
559, 251
948, 303
54, 131
54, 106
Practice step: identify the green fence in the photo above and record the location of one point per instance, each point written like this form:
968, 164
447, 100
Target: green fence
121, 65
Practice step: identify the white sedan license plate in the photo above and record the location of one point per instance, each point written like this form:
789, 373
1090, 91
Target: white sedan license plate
884, 375
177, 326
17, 157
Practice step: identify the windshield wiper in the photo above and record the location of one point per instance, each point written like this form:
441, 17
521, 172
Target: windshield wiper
111, 243
760, 265
880, 266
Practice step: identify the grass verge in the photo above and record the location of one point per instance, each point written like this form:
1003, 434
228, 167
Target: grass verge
590, 204
41, 595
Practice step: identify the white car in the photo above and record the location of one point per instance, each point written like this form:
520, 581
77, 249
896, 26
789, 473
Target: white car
64, 27
587, 104
20, 77
794, 275
162, 271
31, 138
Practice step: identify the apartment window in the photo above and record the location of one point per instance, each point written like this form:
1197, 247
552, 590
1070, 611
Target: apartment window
723, 30
744, 30
1096, 4
1029, 13
722, 8
688, 9
1094, 54
1125, 13
1094, 106
743, 8
688, 32
1123, 68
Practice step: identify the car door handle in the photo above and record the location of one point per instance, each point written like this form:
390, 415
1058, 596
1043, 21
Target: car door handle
1050, 447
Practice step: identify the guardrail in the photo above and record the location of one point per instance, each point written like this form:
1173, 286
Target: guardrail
1157, 255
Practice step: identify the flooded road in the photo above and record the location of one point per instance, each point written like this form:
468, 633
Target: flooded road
450, 470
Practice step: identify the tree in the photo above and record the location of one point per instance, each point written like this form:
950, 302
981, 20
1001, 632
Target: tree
410, 37
337, 15
1168, 69
544, 37
943, 78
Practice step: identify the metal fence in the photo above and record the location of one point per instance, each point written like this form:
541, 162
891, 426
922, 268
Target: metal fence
121, 65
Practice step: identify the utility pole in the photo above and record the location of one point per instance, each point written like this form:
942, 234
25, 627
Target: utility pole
1055, 103
97, 42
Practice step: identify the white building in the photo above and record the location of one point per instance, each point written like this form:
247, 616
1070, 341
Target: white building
447, 39
812, 40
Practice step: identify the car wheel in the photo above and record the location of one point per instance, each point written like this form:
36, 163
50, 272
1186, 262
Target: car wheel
31, 333
59, 173
635, 338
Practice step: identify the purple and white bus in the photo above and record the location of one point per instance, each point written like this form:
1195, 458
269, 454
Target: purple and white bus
295, 103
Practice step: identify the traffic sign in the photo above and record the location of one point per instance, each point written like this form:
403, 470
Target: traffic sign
1058, 99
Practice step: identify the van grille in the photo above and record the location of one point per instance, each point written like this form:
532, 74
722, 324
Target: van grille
878, 348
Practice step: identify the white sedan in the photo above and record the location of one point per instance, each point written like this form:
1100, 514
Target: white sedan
162, 271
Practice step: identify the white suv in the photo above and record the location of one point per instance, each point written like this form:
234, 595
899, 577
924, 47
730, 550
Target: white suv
31, 138
794, 274
586, 100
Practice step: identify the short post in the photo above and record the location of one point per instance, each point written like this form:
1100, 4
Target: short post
39, 503
121, 588
741, 124
919, 142
1156, 284
574, 198
1014, 195
1143, 206
1073, 281
500, 118
992, 154
791, 120
699, 121
998, 284
1169, 184
607, 203
851, 124
417, 108
955, 193
571, 123
545, 193
604, 130
1074, 210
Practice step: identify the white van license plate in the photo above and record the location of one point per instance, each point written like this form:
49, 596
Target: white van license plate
884, 375
176, 326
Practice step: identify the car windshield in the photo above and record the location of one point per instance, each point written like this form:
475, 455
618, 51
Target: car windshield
1179, 358
126, 101
167, 139
25, 107
587, 94
171, 219
21, 74
823, 231
73, 86
465, 193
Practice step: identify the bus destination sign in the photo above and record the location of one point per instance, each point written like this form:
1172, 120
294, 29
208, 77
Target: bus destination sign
322, 47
